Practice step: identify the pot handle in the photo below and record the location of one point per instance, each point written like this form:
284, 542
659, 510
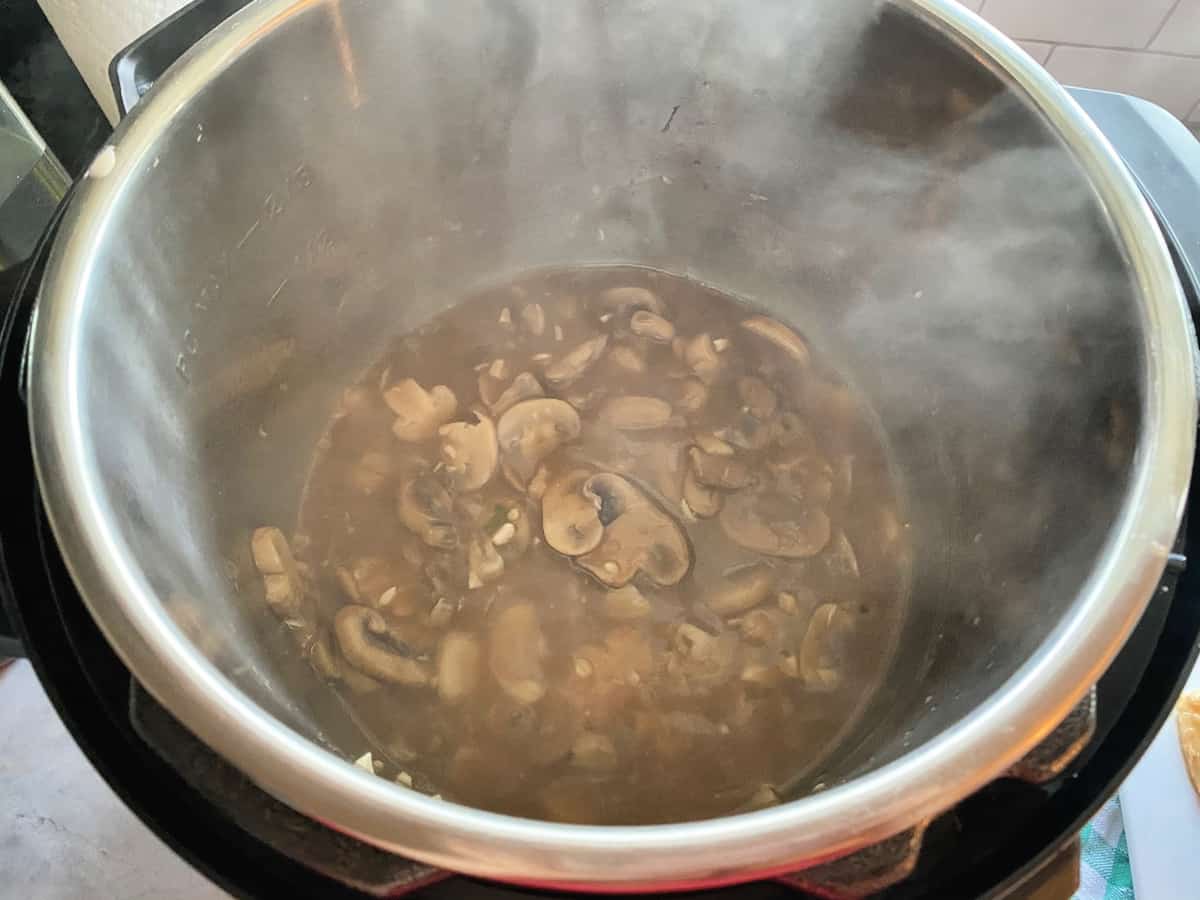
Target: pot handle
134, 69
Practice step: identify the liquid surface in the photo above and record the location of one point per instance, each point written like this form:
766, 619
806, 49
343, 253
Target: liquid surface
601, 546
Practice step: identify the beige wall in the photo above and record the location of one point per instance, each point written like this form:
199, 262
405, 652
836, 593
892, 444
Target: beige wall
1146, 47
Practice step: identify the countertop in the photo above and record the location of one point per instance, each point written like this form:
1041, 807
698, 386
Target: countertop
63, 833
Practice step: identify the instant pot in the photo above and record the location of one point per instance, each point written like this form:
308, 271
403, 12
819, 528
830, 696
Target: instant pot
1008, 272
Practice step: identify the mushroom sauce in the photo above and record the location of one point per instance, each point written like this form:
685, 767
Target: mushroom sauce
601, 546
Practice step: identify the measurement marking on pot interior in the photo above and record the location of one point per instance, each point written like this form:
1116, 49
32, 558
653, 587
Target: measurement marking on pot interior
670, 118
272, 206
276, 202
275, 296
301, 175
249, 231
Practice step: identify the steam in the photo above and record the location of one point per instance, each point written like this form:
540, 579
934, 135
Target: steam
826, 159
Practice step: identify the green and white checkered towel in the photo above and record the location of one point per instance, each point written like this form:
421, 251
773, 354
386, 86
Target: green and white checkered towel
1104, 873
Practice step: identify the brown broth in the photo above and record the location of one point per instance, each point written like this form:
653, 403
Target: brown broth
564, 698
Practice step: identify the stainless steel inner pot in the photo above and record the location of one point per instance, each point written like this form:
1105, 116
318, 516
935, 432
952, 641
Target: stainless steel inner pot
898, 181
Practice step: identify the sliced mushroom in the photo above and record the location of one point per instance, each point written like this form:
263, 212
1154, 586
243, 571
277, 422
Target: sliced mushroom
665, 469
498, 369
691, 395
714, 445
427, 510
419, 413
757, 396
723, 472
796, 602
484, 563
781, 336
324, 659
775, 524
638, 536
533, 317
442, 613
803, 474
284, 596
652, 326
368, 644
470, 452
377, 582
489, 389
515, 650
749, 432
272, 555
693, 641
538, 483
576, 361
570, 519
585, 400
765, 627
358, 683
703, 502
625, 604
594, 752
282, 583
445, 574
532, 430
457, 666
627, 359
627, 300
759, 672
524, 387
635, 413
702, 614
789, 665
741, 590
513, 538
823, 651
397, 603
701, 356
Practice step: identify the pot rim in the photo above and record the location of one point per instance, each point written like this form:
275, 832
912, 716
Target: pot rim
910, 790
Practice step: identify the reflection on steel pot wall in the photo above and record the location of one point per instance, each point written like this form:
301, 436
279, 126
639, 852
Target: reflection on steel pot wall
894, 180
